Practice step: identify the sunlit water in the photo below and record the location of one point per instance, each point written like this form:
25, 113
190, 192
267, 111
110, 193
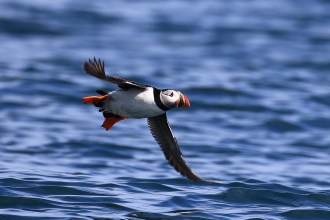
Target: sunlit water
257, 74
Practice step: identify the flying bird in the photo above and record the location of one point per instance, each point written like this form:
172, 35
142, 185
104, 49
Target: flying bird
134, 100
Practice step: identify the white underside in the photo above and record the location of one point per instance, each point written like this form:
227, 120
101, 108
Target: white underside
133, 103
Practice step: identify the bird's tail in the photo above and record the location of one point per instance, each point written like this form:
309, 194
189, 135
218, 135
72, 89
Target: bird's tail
99, 101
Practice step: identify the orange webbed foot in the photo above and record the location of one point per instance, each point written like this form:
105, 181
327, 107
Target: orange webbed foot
109, 122
94, 99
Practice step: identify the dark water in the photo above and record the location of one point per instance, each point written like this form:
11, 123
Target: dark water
257, 74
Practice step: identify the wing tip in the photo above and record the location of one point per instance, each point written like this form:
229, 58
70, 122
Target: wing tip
190, 175
85, 66
95, 68
193, 177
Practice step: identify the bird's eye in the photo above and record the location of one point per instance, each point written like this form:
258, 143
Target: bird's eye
171, 94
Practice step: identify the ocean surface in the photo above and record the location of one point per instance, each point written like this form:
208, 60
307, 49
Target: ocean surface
257, 74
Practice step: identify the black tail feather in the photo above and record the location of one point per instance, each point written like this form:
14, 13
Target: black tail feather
101, 92
110, 115
99, 104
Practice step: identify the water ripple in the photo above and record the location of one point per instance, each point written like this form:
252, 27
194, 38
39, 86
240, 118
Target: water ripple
257, 77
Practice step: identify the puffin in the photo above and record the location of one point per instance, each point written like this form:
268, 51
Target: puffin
134, 101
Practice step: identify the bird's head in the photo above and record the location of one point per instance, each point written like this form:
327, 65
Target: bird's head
174, 99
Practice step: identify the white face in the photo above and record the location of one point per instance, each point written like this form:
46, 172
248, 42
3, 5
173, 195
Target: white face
170, 98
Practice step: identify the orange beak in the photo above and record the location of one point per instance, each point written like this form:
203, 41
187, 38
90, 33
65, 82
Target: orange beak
184, 102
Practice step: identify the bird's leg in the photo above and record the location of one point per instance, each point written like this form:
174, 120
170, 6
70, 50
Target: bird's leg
109, 122
94, 99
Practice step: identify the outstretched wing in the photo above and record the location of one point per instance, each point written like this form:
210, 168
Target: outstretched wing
96, 69
161, 131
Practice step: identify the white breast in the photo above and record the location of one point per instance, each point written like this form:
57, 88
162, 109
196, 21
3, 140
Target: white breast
133, 103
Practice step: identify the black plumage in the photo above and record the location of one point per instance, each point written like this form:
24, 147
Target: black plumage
158, 125
96, 69
161, 131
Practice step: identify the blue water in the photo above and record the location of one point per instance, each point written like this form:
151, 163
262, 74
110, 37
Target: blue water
257, 74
